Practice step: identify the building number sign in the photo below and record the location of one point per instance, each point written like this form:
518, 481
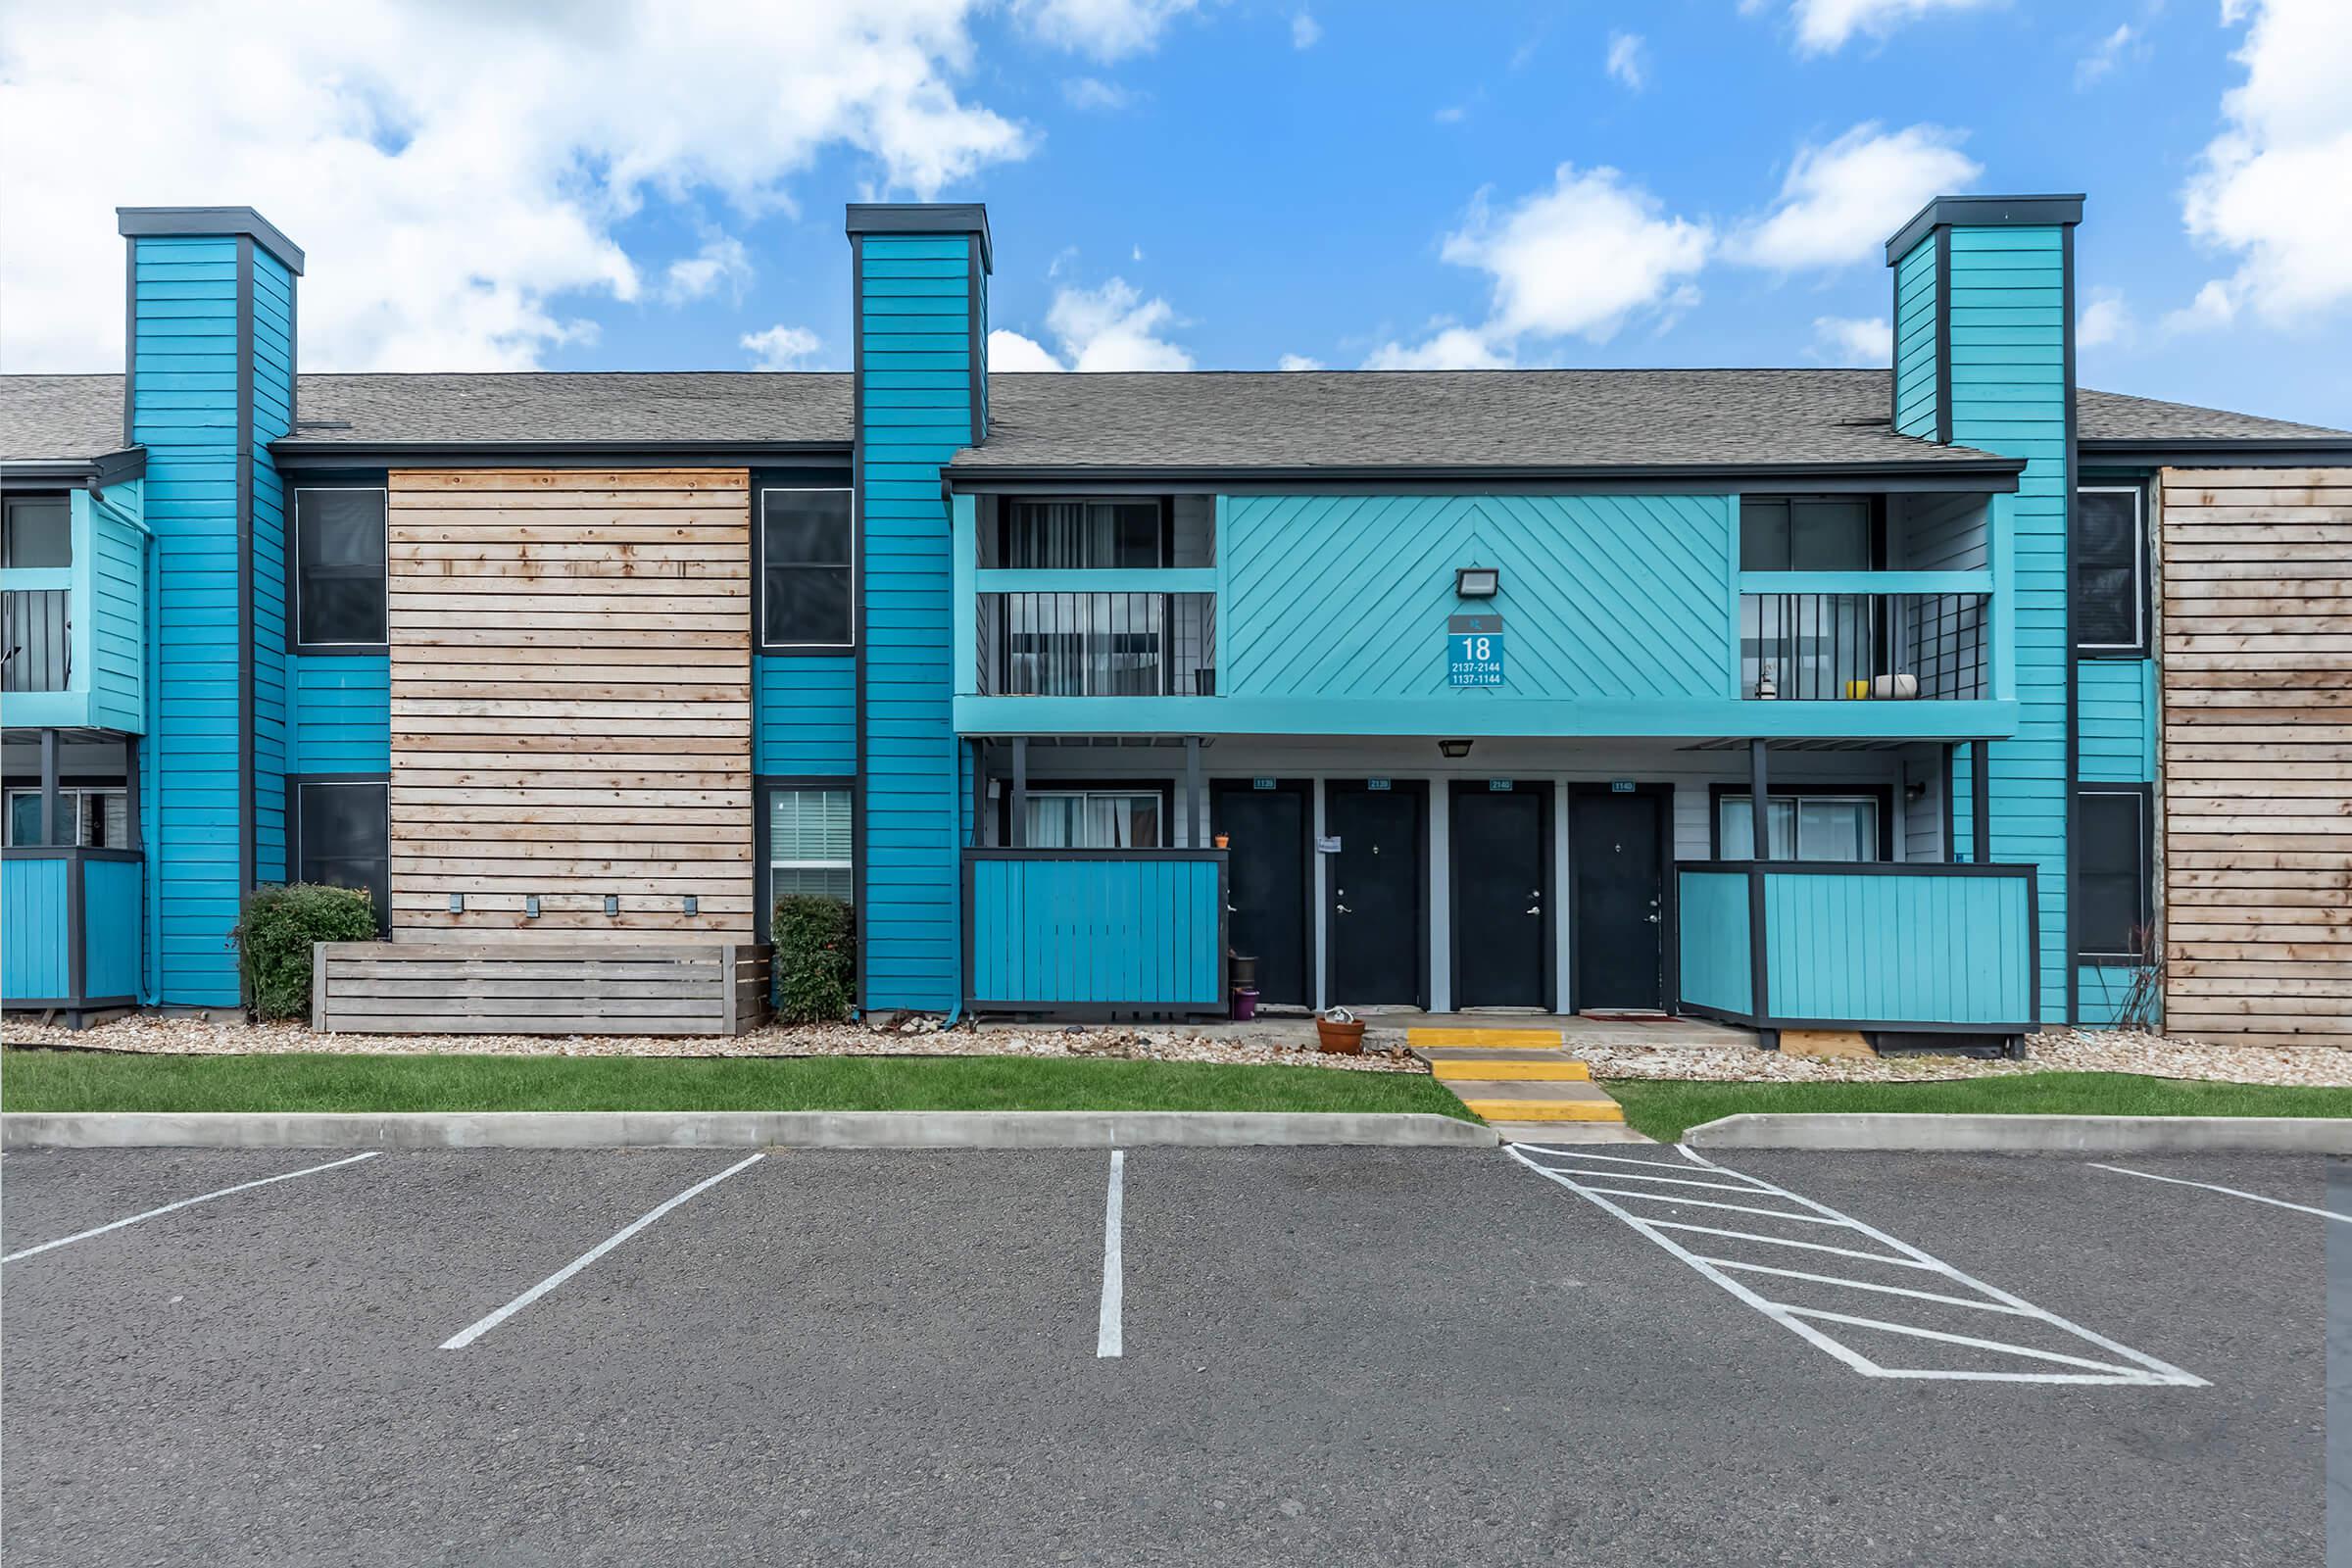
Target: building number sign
1474, 650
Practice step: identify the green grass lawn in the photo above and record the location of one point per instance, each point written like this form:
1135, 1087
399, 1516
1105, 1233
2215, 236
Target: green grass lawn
72, 1080
1664, 1108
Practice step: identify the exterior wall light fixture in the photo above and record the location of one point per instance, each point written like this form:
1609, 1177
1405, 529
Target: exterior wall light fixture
457, 904
690, 903
1477, 582
531, 906
1454, 749
612, 903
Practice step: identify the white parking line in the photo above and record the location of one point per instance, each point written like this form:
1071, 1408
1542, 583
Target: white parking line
466, 1336
1568, 1168
1110, 1337
185, 1203
2213, 1187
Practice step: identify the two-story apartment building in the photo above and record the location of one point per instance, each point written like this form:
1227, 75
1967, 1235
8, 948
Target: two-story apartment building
1448, 690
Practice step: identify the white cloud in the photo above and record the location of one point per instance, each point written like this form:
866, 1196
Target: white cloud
1305, 32
1107, 30
1093, 92
1840, 201
458, 172
721, 262
1581, 257
1824, 27
2103, 320
1629, 60
1298, 361
1451, 348
780, 347
1855, 340
2122, 43
2262, 187
1451, 115
1113, 328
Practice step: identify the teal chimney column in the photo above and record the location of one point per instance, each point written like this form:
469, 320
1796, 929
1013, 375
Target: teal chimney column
208, 382
920, 325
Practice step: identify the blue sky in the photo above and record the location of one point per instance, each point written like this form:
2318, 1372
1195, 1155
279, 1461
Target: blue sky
1676, 183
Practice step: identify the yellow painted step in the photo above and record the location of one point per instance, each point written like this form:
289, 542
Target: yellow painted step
1471, 1069
1518, 1039
1546, 1110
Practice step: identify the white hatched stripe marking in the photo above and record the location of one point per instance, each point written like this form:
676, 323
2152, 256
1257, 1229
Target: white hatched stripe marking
1865, 1285
1736, 1208
186, 1202
1110, 1333
2146, 1370
2212, 1187
466, 1336
1613, 1160
1670, 1181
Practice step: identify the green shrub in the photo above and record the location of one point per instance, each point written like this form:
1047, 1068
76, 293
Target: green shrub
816, 959
274, 940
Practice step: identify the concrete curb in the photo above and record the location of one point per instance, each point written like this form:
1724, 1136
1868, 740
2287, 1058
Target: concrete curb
1932, 1133
740, 1129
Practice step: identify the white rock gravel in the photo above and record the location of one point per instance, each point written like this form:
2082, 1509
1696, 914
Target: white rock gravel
2054, 1050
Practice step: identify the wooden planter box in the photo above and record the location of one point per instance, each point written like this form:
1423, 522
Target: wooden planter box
513, 988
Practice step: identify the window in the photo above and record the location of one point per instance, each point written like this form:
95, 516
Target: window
339, 568
2108, 613
1804, 827
94, 819
1093, 819
807, 577
1075, 535
2111, 863
39, 532
1782, 534
342, 838
809, 843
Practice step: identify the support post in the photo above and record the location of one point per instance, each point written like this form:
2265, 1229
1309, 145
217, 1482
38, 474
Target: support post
1020, 792
1191, 791
49, 796
130, 798
1980, 788
979, 834
1759, 800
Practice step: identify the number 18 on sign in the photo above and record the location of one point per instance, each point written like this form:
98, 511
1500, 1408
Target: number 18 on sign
1474, 650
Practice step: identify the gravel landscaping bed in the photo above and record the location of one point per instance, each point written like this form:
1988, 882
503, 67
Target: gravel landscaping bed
2055, 1051
190, 1035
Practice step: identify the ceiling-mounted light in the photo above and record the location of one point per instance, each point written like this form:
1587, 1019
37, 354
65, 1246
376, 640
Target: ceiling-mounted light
1477, 582
1454, 749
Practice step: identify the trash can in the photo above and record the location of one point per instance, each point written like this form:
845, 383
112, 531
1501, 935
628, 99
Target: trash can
1245, 1004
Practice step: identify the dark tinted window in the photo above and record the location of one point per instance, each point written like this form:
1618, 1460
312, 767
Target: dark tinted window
339, 566
1782, 534
39, 532
805, 548
2107, 568
2111, 860
341, 839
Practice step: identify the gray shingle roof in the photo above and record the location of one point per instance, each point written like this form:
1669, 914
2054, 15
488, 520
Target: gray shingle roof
1225, 419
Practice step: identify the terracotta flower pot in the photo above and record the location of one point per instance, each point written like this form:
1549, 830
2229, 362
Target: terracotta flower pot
1341, 1039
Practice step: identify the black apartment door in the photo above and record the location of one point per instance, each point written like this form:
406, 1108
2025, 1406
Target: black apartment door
1501, 895
1378, 942
1267, 881
1616, 859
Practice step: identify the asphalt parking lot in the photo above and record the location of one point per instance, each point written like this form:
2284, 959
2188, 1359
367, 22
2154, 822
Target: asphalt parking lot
1322, 1355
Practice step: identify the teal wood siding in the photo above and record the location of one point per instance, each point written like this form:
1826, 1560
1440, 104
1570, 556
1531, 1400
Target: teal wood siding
184, 411
2009, 332
33, 957
914, 415
1915, 346
1713, 940
1603, 597
1101, 932
342, 713
272, 415
118, 605
110, 924
804, 715
2115, 718
2102, 990
1927, 948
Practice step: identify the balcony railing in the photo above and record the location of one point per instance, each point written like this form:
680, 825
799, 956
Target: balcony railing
1097, 645
36, 640
1825, 647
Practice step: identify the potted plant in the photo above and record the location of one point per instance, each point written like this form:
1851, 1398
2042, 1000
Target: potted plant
1341, 1032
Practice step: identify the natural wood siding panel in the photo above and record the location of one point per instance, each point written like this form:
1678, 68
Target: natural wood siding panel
2257, 671
572, 703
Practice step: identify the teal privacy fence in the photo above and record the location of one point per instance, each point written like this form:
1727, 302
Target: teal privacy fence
1094, 931
69, 923
1876, 945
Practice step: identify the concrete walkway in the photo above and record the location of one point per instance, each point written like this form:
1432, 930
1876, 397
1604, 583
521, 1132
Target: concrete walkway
1522, 1082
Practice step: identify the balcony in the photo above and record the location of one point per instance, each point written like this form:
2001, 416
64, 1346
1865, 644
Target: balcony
36, 640
1843, 637
73, 638
1105, 931
70, 925
1094, 644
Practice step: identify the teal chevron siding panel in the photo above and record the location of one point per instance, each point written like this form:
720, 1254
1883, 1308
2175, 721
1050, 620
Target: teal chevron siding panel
1096, 932
1603, 596
342, 713
1712, 929
804, 715
118, 604
2115, 720
1915, 341
272, 415
914, 415
1896, 949
184, 396
2009, 395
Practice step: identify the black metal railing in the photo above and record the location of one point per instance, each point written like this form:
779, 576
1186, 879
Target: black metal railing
1842, 647
1097, 645
37, 641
